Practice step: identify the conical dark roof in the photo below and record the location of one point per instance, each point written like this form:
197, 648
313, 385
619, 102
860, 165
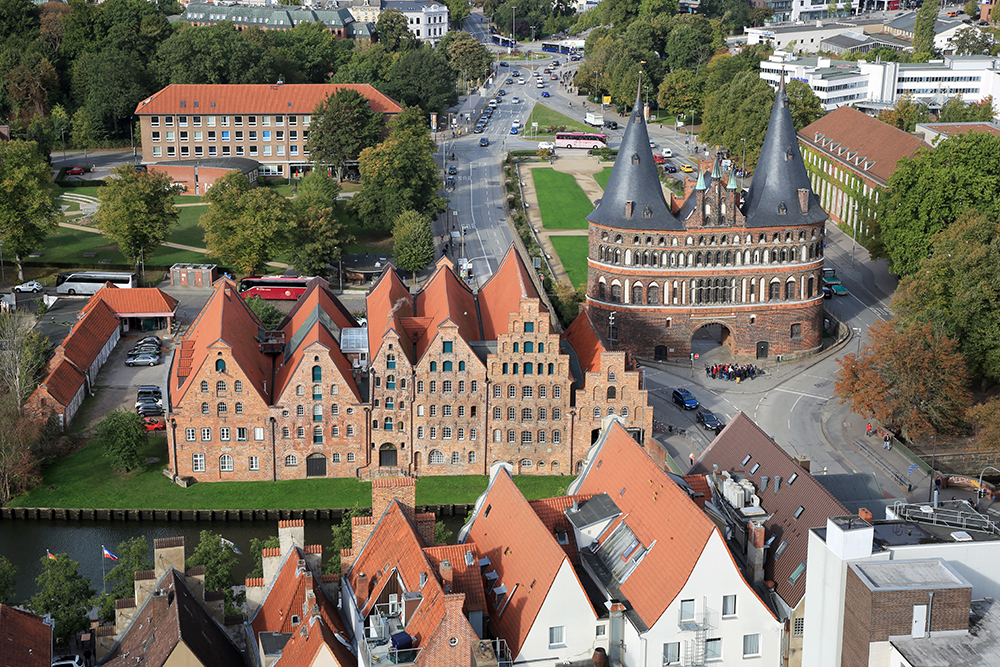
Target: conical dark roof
773, 198
634, 179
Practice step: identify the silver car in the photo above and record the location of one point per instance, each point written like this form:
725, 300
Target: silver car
146, 359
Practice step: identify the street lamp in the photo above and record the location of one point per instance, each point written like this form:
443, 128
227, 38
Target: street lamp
532, 34
691, 130
513, 37
857, 332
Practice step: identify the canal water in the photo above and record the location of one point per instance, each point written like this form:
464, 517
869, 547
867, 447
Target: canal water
24, 542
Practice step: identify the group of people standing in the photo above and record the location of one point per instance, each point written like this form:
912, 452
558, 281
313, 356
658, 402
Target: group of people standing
737, 372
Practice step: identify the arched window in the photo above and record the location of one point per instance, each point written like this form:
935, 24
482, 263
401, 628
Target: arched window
435, 458
291, 460
225, 463
616, 293
204, 385
526, 463
434, 366
238, 385
600, 290
317, 434
317, 413
222, 409
388, 423
220, 366
774, 291
652, 294
529, 347
551, 369
300, 390
790, 290
461, 366
636, 293
205, 409
597, 413
612, 377
618, 256
220, 386
239, 408
624, 412
611, 411
286, 432
446, 366
810, 287
317, 374
612, 393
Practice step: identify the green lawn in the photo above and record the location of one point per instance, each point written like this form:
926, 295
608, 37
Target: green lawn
85, 480
188, 231
572, 251
546, 117
602, 177
561, 201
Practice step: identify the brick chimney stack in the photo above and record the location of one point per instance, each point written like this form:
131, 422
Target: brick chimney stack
804, 200
755, 552
447, 575
865, 514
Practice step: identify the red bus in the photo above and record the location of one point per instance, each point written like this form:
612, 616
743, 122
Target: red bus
581, 140
274, 287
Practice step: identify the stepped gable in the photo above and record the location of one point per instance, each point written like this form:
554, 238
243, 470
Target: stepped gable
634, 197
224, 322
583, 338
388, 302
773, 197
502, 294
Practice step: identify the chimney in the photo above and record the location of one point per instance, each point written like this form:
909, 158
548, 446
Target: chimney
777, 483
255, 595
755, 552
803, 462
865, 514
168, 552
361, 591
291, 534
804, 200
447, 575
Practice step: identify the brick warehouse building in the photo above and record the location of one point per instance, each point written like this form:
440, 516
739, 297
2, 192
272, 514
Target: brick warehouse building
749, 264
457, 381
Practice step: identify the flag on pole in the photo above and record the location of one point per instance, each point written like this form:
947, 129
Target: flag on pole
108, 554
50, 554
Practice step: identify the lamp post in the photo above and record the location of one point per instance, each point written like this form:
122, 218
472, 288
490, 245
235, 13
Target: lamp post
532, 33
979, 489
513, 37
743, 169
691, 129
857, 332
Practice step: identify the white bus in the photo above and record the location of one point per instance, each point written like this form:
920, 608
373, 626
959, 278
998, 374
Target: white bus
88, 282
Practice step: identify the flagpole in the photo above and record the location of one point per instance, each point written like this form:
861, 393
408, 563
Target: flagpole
104, 585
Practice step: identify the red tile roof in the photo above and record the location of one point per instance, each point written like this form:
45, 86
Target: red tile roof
552, 513
701, 488
585, 341
395, 547
301, 98
952, 129
868, 137
89, 335
655, 509
25, 640
63, 382
743, 437
465, 577
445, 297
502, 294
314, 632
135, 302
224, 321
388, 302
522, 551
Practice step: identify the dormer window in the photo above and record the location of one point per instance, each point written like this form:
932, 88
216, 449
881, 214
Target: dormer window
788, 155
782, 209
635, 158
647, 212
295, 620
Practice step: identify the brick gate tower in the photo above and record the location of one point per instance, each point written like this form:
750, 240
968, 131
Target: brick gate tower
747, 263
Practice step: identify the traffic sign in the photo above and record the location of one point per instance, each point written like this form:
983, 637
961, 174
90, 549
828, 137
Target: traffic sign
695, 355
912, 468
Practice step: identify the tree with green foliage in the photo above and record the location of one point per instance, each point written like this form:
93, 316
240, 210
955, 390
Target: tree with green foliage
28, 212
137, 211
83, 133
931, 190
740, 110
8, 580
957, 290
413, 242
995, 13
398, 175
458, 11
121, 436
442, 534
269, 316
467, 56
24, 357
760, 15
923, 29
245, 226
133, 556
803, 104
681, 92
341, 539
111, 85
215, 54
219, 559
973, 41
342, 126
257, 547
65, 594
955, 110
318, 237
422, 77
392, 30
905, 114
692, 41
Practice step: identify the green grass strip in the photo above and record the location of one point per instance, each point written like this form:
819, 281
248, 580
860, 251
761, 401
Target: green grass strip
562, 202
572, 251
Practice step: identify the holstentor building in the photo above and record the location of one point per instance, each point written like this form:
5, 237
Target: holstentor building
749, 262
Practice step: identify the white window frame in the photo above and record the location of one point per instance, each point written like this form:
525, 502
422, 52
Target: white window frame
198, 462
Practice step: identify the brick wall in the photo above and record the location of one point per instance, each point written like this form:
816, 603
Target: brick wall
874, 616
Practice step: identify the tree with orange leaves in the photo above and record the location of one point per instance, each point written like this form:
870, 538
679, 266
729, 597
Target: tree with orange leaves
909, 377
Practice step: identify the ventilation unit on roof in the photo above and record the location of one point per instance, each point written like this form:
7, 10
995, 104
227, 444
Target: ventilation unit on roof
777, 483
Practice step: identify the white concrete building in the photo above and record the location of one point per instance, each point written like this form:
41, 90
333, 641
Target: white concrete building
427, 21
876, 85
652, 581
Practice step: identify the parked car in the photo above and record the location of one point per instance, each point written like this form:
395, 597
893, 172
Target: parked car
545, 93
670, 169
685, 399
75, 171
484, 142
151, 340
151, 424
145, 359
144, 400
708, 420
143, 349
827, 293
658, 158
30, 286
149, 410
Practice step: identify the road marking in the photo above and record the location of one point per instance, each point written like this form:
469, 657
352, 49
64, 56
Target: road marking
801, 393
790, 410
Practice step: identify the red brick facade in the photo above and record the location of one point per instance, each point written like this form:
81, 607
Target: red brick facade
761, 285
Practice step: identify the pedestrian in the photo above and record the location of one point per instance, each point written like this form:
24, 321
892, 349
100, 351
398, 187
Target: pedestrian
869, 429
692, 459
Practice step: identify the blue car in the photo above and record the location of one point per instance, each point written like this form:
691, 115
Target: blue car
685, 399
513, 130
545, 93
